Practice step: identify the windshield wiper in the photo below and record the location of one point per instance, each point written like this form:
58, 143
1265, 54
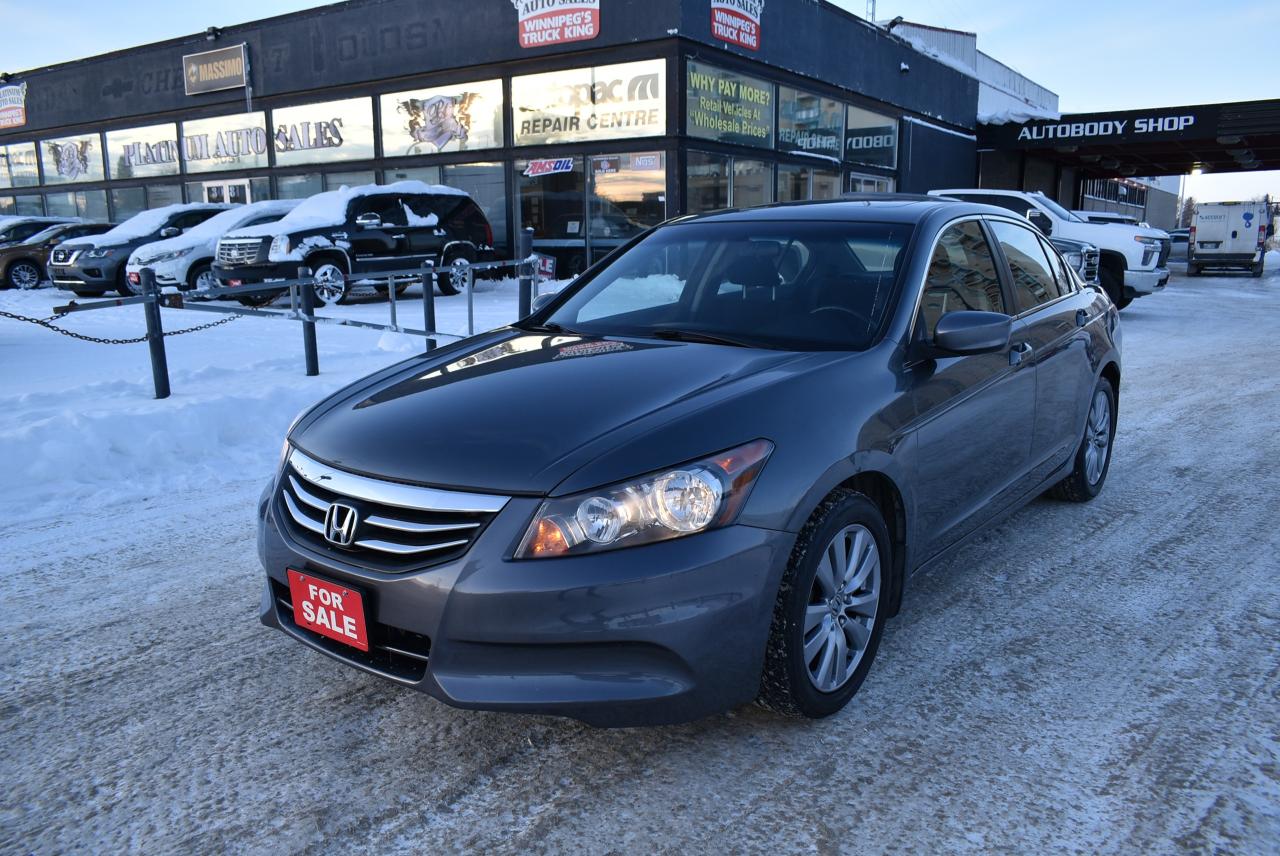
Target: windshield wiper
677, 335
546, 327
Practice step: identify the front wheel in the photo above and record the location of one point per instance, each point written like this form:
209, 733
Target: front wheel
1113, 285
1093, 456
330, 283
830, 609
201, 277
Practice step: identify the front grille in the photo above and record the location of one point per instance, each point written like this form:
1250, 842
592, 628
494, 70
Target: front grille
1165, 246
234, 252
64, 257
1089, 267
399, 653
399, 527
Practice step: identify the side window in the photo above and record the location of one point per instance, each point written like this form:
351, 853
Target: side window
961, 276
192, 218
1066, 284
1033, 279
388, 209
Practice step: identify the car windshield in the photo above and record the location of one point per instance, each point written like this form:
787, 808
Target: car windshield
793, 285
1058, 209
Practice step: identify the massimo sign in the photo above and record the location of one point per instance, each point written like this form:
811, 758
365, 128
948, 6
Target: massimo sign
214, 71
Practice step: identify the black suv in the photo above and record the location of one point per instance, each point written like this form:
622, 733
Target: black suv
96, 265
343, 235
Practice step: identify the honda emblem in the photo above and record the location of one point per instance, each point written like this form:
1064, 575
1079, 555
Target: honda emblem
340, 524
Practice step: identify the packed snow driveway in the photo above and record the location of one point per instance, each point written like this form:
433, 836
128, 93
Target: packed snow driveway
1097, 678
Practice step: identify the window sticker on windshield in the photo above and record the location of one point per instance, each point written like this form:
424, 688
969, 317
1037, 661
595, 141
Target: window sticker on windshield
589, 349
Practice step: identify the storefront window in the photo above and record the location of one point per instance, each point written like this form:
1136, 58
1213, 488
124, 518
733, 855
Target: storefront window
859, 183
487, 185
793, 183
238, 141
323, 133
356, 178
728, 107
809, 123
428, 174
159, 195
127, 201
6, 204
582, 104
552, 198
298, 186
69, 159
453, 118
60, 204
31, 205
18, 166
143, 152
707, 180
826, 184
89, 204
871, 138
752, 183
628, 195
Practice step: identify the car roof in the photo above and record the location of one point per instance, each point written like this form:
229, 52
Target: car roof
864, 207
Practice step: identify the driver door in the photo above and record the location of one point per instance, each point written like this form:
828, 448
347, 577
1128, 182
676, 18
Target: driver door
974, 413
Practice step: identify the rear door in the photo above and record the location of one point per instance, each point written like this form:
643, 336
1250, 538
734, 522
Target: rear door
428, 215
1211, 228
973, 413
1054, 315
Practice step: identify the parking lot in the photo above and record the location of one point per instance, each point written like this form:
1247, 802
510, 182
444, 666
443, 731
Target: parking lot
1093, 679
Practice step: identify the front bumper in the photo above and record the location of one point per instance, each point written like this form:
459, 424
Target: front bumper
1209, 258
667, 632
87, 274
246, 274
1140, 282
167, 275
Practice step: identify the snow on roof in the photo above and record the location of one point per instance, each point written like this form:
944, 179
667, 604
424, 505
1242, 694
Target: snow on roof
149, 222
1022, 113
216, 226
330, 208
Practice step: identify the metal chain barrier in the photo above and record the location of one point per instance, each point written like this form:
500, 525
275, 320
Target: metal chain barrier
98, 340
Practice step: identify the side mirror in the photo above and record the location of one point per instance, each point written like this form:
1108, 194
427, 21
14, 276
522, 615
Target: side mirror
542, 300
369, 221
1041, 221
971, 332
170, 232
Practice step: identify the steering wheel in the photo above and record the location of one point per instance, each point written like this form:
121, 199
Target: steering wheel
857, 322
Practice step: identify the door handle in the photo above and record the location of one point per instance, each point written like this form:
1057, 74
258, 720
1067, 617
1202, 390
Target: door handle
1020, 350
1082, 317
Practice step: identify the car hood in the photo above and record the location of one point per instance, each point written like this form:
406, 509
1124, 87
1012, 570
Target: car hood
1108, 234
517, 412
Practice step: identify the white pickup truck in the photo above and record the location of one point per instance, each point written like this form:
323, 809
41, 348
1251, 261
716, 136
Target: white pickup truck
1134, 258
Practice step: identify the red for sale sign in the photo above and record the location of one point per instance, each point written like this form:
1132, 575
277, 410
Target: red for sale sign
737, 22
555, 22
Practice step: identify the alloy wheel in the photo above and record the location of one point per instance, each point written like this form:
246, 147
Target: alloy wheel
1097, 436
24, 275
331, 283
206, 280
842, 608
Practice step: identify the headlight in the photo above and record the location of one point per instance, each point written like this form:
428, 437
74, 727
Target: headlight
279, 248
176, 254
1075, 260
1144, 239
680, 501
99, 252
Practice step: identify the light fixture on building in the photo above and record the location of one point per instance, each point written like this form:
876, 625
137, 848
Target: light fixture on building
903, 68
211, 34
1197, 170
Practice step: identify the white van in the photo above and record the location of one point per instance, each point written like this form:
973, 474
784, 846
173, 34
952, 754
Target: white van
1229, 235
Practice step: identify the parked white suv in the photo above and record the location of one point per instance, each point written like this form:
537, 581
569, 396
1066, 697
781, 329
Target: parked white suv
185, 261
1134, 258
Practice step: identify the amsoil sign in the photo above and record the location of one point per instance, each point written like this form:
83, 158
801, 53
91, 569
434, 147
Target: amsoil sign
555, 22
214, 71
13, 106
737, 22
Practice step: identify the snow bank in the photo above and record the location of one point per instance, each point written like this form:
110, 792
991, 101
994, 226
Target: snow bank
330, 208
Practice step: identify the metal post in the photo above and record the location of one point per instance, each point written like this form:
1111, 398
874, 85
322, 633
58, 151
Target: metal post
308, 295
524, 249
155, 334
469, 282
391, 297
429, 301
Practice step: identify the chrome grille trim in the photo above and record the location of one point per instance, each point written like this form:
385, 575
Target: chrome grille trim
239, 251
406, 549
419, 528
407, 496
298, 517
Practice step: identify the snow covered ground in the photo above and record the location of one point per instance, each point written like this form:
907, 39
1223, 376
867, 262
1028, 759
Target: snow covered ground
1093, 679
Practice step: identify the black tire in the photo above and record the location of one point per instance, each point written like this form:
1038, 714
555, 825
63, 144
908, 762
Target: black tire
123, 288
785, 684
80, 292
1113, 285
1257, 268
401, 288
1077, 487
195, 272
20, 273
328, 267
445, 280
1193, 270
261, 298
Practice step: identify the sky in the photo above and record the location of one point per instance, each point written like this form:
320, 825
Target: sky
1095, 54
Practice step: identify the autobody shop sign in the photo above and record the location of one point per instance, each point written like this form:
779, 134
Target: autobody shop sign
1095, 129
737, 22
602, 103
556, 22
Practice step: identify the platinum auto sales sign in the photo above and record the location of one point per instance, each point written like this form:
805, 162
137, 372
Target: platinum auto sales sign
737, 22
555, 22
13, 106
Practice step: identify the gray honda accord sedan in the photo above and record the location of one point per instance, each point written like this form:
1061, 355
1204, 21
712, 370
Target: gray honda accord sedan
701, 474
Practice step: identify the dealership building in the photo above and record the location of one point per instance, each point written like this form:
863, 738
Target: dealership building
582, 119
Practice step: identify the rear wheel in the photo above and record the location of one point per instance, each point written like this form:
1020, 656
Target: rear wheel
22, 274
1113, 285
1193, 270
829, 613
1257, 268
1093, 456
455, 264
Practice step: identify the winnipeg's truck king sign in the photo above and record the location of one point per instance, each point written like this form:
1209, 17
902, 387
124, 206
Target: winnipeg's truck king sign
555, 22
737, 22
